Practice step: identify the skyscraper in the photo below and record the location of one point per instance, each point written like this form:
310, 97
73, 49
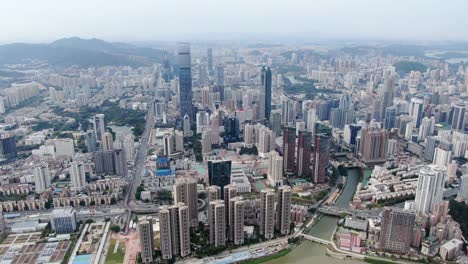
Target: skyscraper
289, 149
107, 142
174, 228
390, 118
217, 223
90, 141
275, 122
320, 157
267, 213
41, 178
220, 79
458, 116
396, 230
373, 145
99, 126
209, 58
77, 175
416, 110
231, 130
186, 192
7, 147
219, 173
213, 193
387, 96
283, 210
185, 80
265, 93
236, 228
430, 187
145, 229
229, 193
350, 133
304, 147
275, 169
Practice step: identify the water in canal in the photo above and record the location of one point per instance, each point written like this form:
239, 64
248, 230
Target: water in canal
310, 252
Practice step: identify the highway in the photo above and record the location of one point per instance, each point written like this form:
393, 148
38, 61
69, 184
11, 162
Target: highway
139, 164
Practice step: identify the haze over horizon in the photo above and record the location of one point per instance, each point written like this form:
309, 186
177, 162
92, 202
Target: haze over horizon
143, 20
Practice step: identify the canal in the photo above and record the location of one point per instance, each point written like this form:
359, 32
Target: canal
310, 252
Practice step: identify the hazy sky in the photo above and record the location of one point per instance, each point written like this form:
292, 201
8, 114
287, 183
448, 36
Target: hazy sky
135, 20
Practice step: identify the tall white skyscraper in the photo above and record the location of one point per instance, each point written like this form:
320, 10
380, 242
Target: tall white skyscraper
186, 192
41, 178
267, 213
236, 229
77, 175
145, 228
275, 169
430, 187
129, 146
217, 223
426, 129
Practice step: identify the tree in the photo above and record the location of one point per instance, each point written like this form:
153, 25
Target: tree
114, 228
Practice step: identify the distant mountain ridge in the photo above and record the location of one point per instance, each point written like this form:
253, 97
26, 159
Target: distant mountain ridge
80, 52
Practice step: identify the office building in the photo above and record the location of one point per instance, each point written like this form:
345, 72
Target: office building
220, 78
120, 162
373, 145
387, 96
426, 129
63, 220
77, 175
186, 192
168, 144
99, 126
463, 188
185, 80
304, 149
145, 230
217, 223
267, 213
390, 118
209, 58
186, 126
283, 209
275, 169
289, 149
430, 189
416, 110
265, 94
107, 142
396, 230
457, 116
41, 178
90, 141
236, 221
350, 134
219, 173
275, 122
320, 157
202, 121
231, 130
63, 147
